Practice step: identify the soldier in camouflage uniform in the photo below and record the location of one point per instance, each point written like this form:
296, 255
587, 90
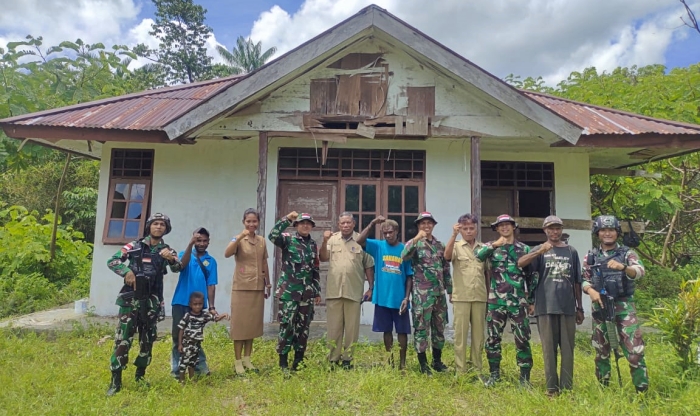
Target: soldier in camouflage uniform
141, 297
615, 268
431, 279
299, 286
507, 299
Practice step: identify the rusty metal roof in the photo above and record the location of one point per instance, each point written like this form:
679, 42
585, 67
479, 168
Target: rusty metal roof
147, 110
601, 120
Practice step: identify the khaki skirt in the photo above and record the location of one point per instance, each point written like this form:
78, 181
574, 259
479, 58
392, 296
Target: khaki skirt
247, 310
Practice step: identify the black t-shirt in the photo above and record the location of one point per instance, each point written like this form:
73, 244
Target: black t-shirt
558, 270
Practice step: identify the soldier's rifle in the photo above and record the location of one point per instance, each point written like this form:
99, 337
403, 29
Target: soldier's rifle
607, 314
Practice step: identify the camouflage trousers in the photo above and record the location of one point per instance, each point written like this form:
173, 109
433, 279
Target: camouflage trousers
129, 320
496, 318
190, 353
631, 343
429, 314
294, 318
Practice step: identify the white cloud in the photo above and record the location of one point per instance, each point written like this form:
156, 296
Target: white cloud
550, 38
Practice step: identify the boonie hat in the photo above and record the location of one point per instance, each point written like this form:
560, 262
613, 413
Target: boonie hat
425, 215
304, 217
503, 218
552, 220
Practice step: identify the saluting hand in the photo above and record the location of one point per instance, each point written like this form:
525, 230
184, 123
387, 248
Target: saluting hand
292, 216
327, 234
500, 242
456, 229
421, 235
545, 247
380, 219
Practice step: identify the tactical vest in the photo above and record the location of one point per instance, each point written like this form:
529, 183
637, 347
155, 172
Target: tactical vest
149, 279
616, 282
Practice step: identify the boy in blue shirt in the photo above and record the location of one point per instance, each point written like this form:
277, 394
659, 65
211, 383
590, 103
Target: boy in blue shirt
392, 286
199, 274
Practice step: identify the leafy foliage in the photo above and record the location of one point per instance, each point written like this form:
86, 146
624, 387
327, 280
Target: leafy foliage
679, 322
181, 54
29, 279
245, 57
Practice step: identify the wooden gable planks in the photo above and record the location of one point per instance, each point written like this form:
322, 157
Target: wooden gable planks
322, 96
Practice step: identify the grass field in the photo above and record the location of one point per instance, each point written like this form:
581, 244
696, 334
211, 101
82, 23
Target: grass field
66, 373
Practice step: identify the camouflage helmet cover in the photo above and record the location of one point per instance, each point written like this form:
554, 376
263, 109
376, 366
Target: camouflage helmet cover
606, 221
155, 217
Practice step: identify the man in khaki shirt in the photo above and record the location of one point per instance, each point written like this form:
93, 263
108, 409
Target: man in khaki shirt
469, 293
348, 266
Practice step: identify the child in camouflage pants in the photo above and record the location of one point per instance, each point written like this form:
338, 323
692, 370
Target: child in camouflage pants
192, 333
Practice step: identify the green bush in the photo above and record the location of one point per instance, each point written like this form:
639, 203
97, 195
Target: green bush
660, 284
679, 322
30, 279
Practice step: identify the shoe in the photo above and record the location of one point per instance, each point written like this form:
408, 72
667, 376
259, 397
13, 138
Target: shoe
494, 377
525, 377
437, 361
249, 365
423, 361
238, 365
116, 384
298, 359
140, 376
642, 389
347, 365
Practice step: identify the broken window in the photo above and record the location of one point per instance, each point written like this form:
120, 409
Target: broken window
520, 189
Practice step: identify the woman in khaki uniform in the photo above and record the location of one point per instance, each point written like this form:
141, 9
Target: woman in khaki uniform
251, 286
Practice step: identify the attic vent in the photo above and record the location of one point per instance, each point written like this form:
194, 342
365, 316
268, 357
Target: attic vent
339, 126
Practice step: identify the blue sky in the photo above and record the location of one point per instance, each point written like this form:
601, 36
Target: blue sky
549, 38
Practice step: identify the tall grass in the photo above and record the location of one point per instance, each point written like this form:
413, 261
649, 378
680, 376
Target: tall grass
66, 373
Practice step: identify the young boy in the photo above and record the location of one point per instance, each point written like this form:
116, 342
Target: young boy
192, 333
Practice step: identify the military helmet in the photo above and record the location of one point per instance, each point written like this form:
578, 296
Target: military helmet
606, 221
155, 217
503, 218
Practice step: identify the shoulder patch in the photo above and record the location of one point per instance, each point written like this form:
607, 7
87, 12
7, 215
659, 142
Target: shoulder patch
286, 234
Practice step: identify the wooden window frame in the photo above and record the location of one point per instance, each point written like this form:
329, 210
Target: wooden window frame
146, 202
358, 214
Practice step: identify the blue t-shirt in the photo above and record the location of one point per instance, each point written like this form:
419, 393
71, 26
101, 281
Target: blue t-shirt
192, 279
390, 273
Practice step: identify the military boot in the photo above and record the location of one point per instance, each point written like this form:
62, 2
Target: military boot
437, 361
298, 359
525, 377
495, 376
116, 384
140, 376
424, 367
284, 362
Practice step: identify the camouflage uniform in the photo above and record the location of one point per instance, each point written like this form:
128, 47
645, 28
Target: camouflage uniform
299, 284
506, 300
129, 306
430, 280
628, 327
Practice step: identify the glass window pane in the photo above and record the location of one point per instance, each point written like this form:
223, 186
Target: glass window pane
369, 198
121, 190
134, 210
115, 229
411, 199
352, 198
118, 210
394, 199
410, 227
132, 229
132, 163
138, 192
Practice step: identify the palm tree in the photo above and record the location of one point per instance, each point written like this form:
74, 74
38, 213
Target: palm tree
246, 56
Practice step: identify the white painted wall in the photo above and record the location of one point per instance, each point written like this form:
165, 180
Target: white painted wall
211, 184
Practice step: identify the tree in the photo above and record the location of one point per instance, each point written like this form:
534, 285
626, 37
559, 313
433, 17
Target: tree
246, 56
180, 28
693, 22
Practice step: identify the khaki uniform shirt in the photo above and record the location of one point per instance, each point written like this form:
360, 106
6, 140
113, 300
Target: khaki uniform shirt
346, 270
251, 264
469, 284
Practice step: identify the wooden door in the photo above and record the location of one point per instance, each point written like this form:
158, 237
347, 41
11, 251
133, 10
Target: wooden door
320, 200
